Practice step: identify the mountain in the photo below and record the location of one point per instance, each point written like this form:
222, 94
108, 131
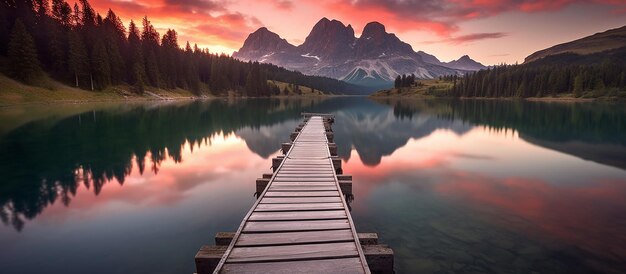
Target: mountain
259, 42
331, 49
328, 39
465, 63
429, 58
599, 42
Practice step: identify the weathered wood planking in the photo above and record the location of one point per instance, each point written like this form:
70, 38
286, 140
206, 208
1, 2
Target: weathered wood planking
301, 237
301, 222
337, 266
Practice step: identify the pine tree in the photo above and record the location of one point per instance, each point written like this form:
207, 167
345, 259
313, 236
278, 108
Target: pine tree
115, 41
57, 52
578, 85
101, 66
138, 74
23, 63
215, 77
152, 69
62, 13
88, 18
398, 82
251, 89
5, 28
78, 61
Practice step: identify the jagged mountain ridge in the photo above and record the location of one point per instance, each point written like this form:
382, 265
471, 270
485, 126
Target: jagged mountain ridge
331, 49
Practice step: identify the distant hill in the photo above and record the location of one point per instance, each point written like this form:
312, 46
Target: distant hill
590, 67
599, 42
465, 63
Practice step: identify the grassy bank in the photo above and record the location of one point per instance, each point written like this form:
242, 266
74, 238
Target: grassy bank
421, 89
49, 91
436, 88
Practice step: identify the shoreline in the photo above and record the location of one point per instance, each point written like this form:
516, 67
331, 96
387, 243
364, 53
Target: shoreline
139, 99
14, 94
529, 99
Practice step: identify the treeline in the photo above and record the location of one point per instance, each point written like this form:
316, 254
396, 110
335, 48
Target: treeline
603, 77
403, 81
76, 45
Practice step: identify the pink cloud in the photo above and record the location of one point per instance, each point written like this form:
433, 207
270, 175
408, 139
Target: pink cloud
443, 16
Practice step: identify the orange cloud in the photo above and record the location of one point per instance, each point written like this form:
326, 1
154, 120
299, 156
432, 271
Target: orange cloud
443, 16
214, 23
472, 37
207, 23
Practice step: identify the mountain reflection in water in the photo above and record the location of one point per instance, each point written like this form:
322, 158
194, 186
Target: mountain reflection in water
451, 185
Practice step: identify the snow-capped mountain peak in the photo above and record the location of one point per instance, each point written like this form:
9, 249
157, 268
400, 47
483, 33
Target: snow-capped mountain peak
331, 49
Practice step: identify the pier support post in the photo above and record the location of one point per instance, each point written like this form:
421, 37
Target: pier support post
293, 136
261, 184
379, 258
208, 257
332, 147
328, 127
345, 183
285, 147
276, 162
330, 136
337, 164
346, 187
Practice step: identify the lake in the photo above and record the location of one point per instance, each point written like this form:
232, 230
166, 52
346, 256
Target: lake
452, 186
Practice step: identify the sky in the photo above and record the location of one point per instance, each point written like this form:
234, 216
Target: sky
489, 31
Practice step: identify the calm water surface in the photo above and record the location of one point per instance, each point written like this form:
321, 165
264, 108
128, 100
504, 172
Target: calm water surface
452, 186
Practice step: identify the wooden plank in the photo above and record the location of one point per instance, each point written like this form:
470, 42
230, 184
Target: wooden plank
338, 266
302, 172
308, 188
302, 194
305, 175
310, 178
292, 252
302, 237
302, 184
278, 226
294, 207
298, 215
301, 180
307, 158
306, 169
291, 200
301, 165
306, 162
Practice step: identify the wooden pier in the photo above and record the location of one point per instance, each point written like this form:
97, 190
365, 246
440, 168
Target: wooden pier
301, 221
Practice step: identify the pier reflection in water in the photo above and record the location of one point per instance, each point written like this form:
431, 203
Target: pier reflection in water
453, 186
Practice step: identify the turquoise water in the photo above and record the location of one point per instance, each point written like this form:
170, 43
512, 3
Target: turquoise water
451, 186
